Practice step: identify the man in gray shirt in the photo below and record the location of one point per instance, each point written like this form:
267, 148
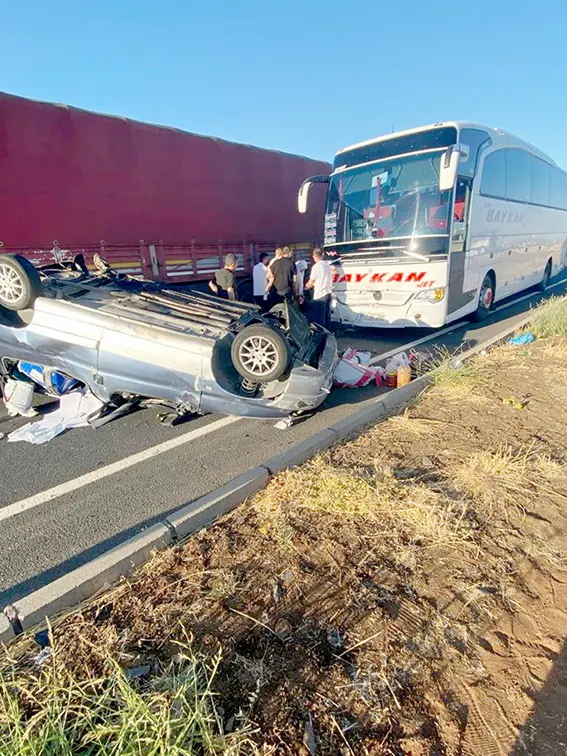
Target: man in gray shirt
224, 282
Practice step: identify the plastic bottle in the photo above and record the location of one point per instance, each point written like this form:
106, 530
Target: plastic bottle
404, 375
391, 376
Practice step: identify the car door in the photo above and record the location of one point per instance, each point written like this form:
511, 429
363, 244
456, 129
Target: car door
150, 360
65, 336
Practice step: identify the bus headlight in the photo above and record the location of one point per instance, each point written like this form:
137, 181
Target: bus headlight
430, 295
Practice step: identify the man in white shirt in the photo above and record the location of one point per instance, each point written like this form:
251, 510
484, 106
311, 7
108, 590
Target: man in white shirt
260, 281
321, 281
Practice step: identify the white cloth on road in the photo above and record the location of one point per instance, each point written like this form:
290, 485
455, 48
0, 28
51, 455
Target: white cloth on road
75, 410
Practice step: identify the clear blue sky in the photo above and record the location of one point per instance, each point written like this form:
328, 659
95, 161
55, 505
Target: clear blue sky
306, 76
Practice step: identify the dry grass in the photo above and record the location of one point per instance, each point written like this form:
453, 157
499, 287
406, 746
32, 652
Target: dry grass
413, 426
550, 319
556, 350
457, 381
401, 510
496, 479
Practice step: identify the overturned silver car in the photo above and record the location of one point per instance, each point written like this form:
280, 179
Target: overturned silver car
189, 352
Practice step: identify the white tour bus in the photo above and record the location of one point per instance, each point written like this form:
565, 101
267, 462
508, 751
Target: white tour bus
429, 225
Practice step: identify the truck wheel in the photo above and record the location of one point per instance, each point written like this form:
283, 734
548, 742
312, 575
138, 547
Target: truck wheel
20, 284
485, 299
260, 354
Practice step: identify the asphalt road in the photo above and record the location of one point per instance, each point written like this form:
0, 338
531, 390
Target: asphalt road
82, 493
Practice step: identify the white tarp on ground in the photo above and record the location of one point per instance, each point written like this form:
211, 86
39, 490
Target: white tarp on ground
75, 410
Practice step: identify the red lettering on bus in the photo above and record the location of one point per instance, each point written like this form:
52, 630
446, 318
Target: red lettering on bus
399, 277
360, 276
378, 278
415, 277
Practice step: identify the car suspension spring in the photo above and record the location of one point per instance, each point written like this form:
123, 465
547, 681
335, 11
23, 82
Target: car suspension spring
249, 387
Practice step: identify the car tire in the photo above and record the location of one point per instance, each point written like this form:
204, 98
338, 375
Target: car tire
485, 299
260, 353
20, 284
544, 283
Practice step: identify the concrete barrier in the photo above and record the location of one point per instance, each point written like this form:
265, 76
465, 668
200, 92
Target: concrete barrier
205, 510
6, 632
301, 452
80, 584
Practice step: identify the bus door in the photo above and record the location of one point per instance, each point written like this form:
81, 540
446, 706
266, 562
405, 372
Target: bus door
462, 278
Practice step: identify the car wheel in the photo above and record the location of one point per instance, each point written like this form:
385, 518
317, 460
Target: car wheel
542, 286
485, 298
20, 284
260, 354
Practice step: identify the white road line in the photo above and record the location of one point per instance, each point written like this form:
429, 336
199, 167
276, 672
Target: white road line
105, 472
404, 347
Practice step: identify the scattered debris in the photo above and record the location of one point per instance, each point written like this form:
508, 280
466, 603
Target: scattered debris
42, 639
75, 410
522, 338
18, 397
135, 673
353, 370
309, 740
517, 404
43, 656
335, 641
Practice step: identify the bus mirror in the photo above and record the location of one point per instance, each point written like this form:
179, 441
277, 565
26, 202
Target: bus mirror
304, 191
448, 168
450, 165
302, 196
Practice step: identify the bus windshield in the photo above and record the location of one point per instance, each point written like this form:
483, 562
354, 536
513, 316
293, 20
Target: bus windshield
392, 198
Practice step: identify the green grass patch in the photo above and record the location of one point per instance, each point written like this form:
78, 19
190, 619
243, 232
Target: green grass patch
51, 712
550, 319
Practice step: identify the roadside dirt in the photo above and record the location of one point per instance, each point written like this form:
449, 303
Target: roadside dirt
405, 593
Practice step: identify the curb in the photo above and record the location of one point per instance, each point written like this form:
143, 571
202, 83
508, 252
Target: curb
380, 409
301, 452
82, 583
6, 631
205, 510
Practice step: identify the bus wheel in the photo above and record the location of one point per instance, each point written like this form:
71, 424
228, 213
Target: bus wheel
542, 286
485, 299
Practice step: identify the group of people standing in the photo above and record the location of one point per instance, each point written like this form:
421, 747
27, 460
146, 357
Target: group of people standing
282, 278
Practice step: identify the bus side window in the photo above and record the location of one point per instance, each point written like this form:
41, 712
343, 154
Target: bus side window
460, 213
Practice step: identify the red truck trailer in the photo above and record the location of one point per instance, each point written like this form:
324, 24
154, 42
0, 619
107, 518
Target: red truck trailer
156, 201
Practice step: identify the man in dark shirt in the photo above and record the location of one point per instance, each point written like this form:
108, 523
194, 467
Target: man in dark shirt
223, 284
282, 277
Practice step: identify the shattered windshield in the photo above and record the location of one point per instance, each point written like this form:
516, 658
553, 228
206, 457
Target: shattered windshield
397, 197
